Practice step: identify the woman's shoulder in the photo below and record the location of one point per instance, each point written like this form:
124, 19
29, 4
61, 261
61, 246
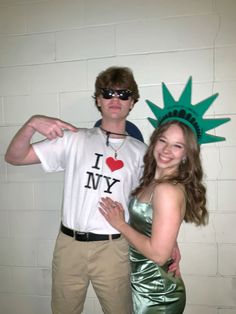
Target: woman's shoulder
169, 189
168, 195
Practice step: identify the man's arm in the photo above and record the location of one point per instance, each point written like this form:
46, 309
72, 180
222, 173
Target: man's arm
176, 257
20, 150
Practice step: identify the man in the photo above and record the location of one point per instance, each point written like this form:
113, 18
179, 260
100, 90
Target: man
98, 162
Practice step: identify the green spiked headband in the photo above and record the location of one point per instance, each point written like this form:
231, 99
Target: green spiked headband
191, 115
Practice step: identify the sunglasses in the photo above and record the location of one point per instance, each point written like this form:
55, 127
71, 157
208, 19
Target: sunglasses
122, 94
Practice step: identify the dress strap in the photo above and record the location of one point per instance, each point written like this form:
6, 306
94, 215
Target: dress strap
150, 199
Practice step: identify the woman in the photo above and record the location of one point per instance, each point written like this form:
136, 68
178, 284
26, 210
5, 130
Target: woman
170, 191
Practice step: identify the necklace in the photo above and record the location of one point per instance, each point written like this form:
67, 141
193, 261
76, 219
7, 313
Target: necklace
108, 133
115, 150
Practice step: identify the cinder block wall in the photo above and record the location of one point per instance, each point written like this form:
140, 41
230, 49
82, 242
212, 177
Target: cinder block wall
50, 54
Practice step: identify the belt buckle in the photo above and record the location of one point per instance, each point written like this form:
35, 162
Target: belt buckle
79, 233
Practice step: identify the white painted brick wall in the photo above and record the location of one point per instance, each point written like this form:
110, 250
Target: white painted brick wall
50, 54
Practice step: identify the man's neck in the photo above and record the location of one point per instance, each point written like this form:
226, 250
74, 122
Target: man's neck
115, 129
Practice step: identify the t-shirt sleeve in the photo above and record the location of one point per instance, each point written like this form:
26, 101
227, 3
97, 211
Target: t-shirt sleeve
140, 166
51, 154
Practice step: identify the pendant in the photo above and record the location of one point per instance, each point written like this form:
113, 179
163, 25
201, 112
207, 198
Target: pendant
115, 155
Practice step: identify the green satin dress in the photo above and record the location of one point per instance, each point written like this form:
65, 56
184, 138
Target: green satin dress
154, 290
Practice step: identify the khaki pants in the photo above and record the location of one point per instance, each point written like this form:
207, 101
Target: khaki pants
103, 263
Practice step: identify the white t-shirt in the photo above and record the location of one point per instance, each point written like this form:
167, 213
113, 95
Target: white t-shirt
92, 172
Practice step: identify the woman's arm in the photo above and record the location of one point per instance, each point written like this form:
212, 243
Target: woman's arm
168, 204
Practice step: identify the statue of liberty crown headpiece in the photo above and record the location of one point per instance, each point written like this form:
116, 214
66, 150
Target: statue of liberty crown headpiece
191, 115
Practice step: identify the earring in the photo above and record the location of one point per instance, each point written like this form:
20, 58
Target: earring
183, 161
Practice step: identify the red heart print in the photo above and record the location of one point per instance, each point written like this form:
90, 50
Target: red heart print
114, 164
